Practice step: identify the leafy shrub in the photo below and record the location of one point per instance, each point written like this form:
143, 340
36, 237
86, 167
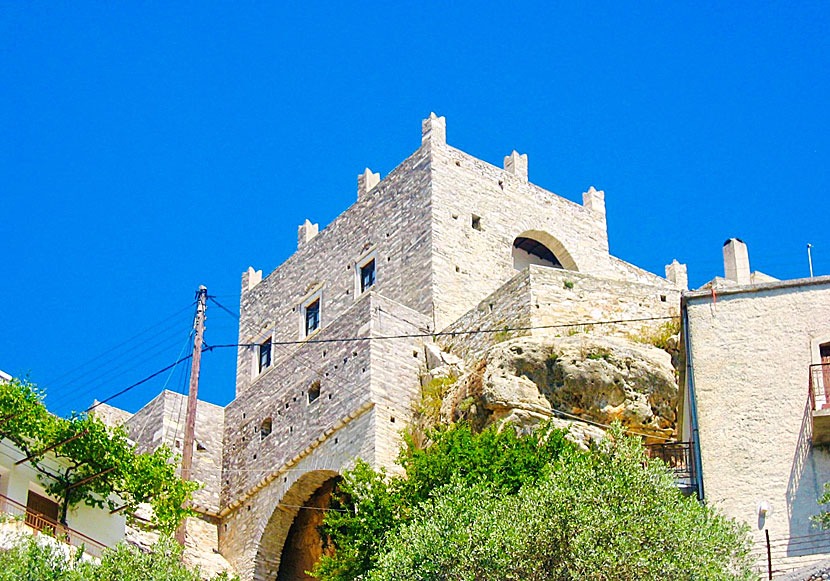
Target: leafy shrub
36, 560
603, 515
370, 505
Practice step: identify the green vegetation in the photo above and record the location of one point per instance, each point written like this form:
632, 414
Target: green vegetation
823, 518
599, 353
38, 560
432, 396
497, 505
568, 284
371, 505
93, 464
502, 336
658, 336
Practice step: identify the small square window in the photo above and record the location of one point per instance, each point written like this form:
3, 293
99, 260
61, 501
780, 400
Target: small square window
312, 317
476, 222
265, 355
367, 275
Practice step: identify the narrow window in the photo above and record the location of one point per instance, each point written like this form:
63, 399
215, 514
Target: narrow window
367, 275
312, 317
476, 222
265, 429
265, 355
314, 392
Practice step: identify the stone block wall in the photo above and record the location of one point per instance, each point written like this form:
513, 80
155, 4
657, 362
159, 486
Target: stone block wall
162, 421
252, 532
750, 355
471, 262
548, 301
349, 374
393, 220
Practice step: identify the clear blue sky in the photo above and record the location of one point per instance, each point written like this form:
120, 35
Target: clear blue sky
147, 148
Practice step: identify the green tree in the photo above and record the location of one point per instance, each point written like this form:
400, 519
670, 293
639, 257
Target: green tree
93, 463
605, 515
368, 505
37, 559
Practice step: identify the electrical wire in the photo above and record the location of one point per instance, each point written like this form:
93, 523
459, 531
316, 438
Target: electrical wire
452, 333
137, 335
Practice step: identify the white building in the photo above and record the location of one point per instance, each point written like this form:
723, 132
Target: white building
22, 493
754, 403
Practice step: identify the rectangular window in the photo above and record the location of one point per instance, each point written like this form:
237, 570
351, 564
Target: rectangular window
312, 317
367, 275
265, 355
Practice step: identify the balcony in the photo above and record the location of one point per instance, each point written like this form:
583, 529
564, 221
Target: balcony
820, 402
680, 459
39, 523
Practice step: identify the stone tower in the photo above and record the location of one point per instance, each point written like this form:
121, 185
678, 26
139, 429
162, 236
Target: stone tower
335, 335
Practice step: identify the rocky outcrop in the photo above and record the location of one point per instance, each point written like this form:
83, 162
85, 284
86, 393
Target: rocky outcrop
598, 379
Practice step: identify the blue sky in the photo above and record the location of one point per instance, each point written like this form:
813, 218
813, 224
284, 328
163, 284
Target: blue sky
147, 148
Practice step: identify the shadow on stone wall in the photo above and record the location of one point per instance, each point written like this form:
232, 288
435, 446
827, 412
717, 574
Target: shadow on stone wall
810, 470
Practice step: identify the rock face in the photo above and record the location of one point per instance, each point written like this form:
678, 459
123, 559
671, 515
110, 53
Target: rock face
601, 379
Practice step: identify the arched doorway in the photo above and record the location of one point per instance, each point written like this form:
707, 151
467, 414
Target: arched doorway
290, 543
303, 546
541, 249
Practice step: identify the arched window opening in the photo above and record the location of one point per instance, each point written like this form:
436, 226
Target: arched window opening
314, 392
265, 429
527, 251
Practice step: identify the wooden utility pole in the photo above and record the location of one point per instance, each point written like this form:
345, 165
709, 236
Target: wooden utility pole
193, 393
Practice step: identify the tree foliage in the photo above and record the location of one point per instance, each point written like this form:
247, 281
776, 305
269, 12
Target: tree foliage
370, 504
567, 514
94, 464
49, 561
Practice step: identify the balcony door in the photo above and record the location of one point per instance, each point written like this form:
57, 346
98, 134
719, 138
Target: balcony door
41, 512
824, 352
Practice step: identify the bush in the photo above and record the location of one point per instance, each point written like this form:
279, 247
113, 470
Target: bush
40, 559
501, 506
604, 515
371, 506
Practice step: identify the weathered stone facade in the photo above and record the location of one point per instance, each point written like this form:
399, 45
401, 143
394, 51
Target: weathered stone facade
750, 351
161, 422
541, 301
334, 337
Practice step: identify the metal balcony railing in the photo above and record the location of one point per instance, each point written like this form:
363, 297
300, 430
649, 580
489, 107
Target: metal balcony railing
679, 458
820, 386
43, 524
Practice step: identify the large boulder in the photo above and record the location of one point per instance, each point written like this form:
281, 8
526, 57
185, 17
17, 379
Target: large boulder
583, 377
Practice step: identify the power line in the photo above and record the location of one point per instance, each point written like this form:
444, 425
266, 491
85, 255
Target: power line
452, 333
104, 379
223, 307
137, 335
136, 384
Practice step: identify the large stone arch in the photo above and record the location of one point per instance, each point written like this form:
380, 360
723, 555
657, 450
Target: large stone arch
272, 540
551, 243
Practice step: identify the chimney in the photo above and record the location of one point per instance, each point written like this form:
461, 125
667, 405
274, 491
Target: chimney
516, 164
676, 273
736, 261
365, 182
434, 129
306, 232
